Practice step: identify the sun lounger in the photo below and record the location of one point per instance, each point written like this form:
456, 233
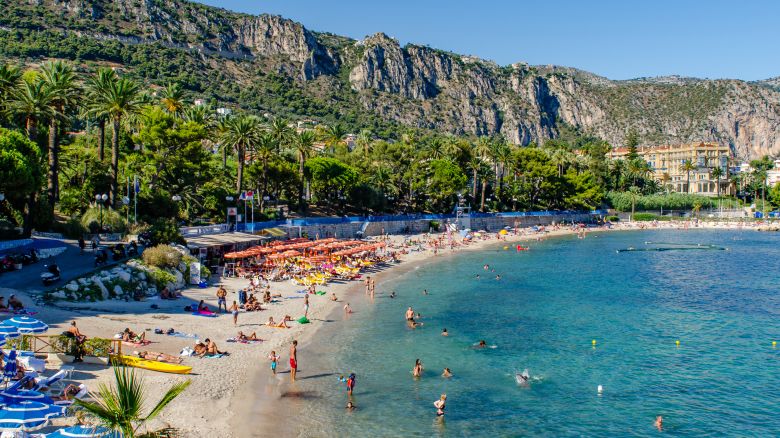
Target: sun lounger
81, 395
56, 381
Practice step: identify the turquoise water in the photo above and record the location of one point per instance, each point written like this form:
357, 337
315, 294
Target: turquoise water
551, 302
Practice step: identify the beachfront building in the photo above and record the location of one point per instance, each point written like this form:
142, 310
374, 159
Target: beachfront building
772, 175
668, 166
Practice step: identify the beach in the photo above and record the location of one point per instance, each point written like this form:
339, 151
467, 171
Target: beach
227, 391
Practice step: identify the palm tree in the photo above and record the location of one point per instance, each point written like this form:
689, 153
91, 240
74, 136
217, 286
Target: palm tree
304, 147
9, 80
60, 81
634, 193
267, 146
281, 132
172, 99
333, 136
32, 101
241, 133
97, 86
436, 149
687, 167
118, 100
717, 173
119, 408
363, 141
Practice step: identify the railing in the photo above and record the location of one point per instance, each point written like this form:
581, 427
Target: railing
252, 227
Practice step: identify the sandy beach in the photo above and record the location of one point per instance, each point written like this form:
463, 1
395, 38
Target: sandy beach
223, 391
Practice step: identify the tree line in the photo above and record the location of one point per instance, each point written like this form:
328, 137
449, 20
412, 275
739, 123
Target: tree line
189, 160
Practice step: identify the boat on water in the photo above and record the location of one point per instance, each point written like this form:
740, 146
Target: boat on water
152, 365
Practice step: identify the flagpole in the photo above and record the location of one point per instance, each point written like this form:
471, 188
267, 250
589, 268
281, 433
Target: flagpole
136, 189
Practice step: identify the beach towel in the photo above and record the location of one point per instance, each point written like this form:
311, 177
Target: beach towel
250, 341
183, 335
207, 315
291, 298
319, 292
214, 356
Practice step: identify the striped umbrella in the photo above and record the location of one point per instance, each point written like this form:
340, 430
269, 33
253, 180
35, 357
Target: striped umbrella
26, 325
7, 331
11, 396
28, 415
2, 341
80, 431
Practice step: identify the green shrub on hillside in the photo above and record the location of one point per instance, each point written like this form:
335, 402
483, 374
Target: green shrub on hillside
162, 256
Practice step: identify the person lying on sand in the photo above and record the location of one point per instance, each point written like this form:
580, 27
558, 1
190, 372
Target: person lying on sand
130, 336
242, 337
202, 307
159, 357
281, 324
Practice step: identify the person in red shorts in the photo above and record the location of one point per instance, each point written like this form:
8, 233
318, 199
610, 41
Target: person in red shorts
293, 359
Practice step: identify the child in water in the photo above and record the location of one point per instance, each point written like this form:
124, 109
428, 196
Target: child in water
350, 381
274, 360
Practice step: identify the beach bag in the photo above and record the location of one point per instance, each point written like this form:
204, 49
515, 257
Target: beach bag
188, 309
158, 331
170, 331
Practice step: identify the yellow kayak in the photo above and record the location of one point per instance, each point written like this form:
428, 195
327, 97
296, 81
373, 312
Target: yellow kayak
152, 365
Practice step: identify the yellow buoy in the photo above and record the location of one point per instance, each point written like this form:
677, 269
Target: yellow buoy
593, 342
774, 344
677, 343
506, 248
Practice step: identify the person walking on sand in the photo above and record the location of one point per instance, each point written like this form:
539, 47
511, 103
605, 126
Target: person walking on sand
234, 310
221, 299
306, 306
293, 359
368, 284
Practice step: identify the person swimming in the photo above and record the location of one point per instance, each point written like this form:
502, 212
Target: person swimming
659, 423
350, 406
392, 294
444, 332
522, 378
482, 344
446, 373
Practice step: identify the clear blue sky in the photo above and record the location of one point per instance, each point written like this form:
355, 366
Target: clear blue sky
617, 39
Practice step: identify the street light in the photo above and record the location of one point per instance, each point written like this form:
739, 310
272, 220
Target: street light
227, 210
100, 199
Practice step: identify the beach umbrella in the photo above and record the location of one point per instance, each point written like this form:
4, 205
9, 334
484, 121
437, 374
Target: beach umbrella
26, 325
80, 431
11, 396
2, 341
7, 331
28, 415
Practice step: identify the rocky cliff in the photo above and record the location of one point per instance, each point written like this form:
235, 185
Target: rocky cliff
428, 88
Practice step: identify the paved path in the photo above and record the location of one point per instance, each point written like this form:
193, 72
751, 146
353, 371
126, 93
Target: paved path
72, 265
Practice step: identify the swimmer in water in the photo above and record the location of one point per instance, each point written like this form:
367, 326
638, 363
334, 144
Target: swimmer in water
410, 314
477, 277
486, 267
659, 423
350, 406
498, 277
392, 294
446, 373
444, 332
522, 378
418, 369
482, 344
440, 405
425, 291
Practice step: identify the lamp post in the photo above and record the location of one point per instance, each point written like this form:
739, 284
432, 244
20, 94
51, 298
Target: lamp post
100, 199
228, 199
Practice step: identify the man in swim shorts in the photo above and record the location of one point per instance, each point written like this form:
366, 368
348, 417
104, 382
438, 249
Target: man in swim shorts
410, 314
293, 359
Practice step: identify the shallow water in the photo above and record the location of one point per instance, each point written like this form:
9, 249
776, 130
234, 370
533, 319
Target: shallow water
551, 302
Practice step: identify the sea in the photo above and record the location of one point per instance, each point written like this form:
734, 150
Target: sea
680, 326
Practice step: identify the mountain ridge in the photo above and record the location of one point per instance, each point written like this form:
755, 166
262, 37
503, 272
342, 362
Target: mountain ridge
417, 85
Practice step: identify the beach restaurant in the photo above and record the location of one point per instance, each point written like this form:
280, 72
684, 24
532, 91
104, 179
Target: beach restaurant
210, 248
296, 259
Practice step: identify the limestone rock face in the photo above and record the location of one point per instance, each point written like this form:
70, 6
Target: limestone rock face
428, 88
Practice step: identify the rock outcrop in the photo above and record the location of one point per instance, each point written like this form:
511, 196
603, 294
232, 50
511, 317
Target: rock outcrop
424, 87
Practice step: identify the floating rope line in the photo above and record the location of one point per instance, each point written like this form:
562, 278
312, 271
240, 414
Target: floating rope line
671, 246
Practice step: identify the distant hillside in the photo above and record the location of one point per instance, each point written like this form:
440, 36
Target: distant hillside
270, 64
